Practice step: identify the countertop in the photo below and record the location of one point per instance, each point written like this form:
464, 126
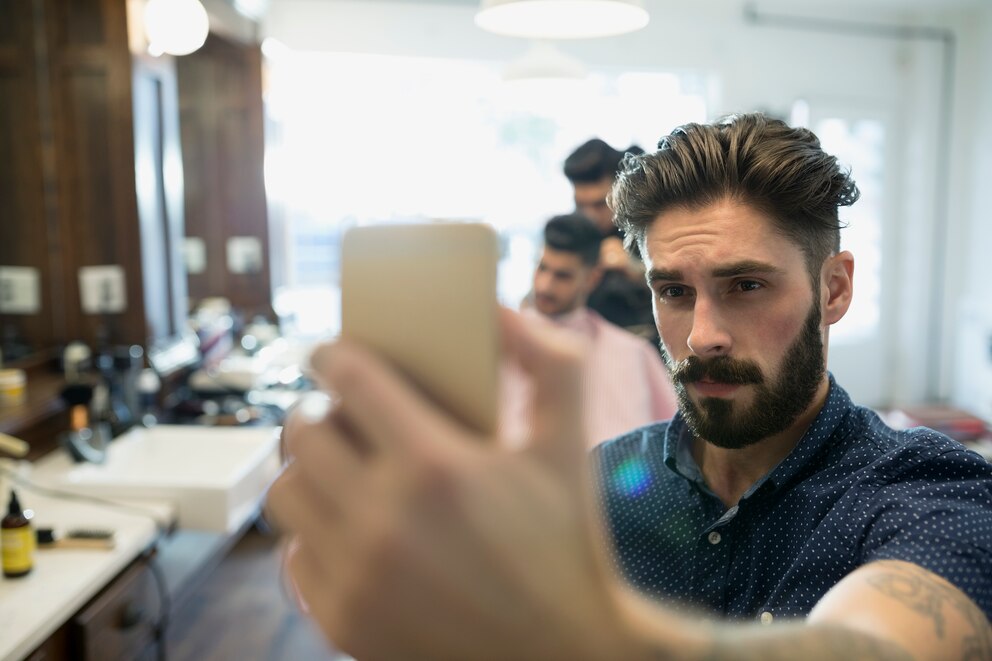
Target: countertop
63, 580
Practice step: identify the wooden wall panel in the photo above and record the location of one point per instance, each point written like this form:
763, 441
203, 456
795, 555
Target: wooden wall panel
97, 207
23, 232
221, 120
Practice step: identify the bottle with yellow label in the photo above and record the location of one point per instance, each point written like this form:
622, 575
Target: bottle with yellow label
17, 541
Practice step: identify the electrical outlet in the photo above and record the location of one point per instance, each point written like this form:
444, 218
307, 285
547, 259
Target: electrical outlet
195, 254
244, 254
101, 289
20, 290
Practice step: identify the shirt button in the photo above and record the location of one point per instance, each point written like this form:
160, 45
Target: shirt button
767, 618
714, 537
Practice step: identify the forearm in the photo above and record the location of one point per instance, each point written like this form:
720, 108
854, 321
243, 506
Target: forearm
800, 641
656, 634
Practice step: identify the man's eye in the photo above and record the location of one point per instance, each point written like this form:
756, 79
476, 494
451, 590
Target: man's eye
671, 291
749, 285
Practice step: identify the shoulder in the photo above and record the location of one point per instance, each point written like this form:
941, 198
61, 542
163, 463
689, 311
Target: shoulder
617, 336
861, 440
919, 452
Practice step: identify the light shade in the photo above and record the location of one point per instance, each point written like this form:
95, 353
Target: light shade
561, 19
176, 27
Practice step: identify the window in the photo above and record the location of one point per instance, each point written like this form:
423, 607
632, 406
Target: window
360, 138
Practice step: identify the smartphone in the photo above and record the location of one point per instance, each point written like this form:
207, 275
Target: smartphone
424, 297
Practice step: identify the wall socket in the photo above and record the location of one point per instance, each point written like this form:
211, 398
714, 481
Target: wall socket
195, 254
20, 290
101, 289
244, 254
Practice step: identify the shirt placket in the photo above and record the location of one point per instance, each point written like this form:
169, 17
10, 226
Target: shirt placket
714, 547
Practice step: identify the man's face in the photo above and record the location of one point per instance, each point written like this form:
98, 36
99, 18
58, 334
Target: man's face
740, 327
590, 201
562, 282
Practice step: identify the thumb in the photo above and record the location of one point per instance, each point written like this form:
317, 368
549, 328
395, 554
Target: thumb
552, 359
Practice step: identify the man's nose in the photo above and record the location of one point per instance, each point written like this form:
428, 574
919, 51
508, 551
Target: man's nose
710, 335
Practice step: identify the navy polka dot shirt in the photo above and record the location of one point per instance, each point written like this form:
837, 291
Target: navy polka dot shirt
851, 492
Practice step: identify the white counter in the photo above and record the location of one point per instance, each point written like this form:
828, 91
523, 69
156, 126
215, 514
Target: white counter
63, 580
174, 475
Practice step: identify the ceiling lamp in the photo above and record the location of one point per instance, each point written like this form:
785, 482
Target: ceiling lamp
561, 19
176, 27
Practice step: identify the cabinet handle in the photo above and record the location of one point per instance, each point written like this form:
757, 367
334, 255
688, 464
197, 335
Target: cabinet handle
131, 616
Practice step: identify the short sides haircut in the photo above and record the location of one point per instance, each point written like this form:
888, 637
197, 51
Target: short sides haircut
594, 161
752, 159
576, 234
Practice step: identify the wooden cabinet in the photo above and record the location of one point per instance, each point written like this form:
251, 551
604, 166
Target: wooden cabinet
122, 621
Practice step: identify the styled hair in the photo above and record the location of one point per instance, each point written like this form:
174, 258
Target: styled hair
576, 234
594, 161
751, 159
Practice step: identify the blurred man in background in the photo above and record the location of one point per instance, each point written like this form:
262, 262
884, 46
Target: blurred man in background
621, 295
625, 383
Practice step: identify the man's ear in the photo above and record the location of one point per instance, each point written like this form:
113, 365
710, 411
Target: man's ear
837, 286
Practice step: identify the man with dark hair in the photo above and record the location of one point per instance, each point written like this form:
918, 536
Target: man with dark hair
591, 169
624, 380
770, 498
620, 295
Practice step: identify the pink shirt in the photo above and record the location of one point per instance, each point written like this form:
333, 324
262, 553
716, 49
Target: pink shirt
625, 382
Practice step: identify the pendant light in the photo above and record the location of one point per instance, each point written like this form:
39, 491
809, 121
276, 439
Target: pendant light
561, 19
176, 27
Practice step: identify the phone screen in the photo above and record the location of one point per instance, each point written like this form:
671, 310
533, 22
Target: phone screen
424, 297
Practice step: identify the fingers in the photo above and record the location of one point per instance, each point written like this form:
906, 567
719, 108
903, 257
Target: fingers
311, 580
383, 407
553, 360
323, 482
310, 408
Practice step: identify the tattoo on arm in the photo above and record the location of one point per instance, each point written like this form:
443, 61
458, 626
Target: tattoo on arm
923, 594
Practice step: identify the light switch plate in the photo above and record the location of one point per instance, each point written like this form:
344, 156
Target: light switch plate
101, 289
20, 290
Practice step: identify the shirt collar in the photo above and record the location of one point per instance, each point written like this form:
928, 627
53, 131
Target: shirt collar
678, 444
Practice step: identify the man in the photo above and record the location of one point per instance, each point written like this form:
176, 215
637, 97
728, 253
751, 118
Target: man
620, 295
624, 381
769, 497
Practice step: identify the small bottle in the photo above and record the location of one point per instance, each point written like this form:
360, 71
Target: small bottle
17, 541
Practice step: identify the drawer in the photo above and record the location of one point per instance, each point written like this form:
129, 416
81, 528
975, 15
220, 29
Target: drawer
120, 622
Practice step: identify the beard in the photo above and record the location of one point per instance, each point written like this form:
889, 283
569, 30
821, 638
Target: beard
776, 406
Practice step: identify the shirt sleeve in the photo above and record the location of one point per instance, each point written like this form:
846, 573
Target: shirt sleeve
937, 514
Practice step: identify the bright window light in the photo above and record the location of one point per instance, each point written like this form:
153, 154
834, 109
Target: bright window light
860, 145
357, 138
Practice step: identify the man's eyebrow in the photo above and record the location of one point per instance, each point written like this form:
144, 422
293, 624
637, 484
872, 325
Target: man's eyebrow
656, 275
746, 267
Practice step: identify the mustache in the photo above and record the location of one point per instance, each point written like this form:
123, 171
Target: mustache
722, 369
